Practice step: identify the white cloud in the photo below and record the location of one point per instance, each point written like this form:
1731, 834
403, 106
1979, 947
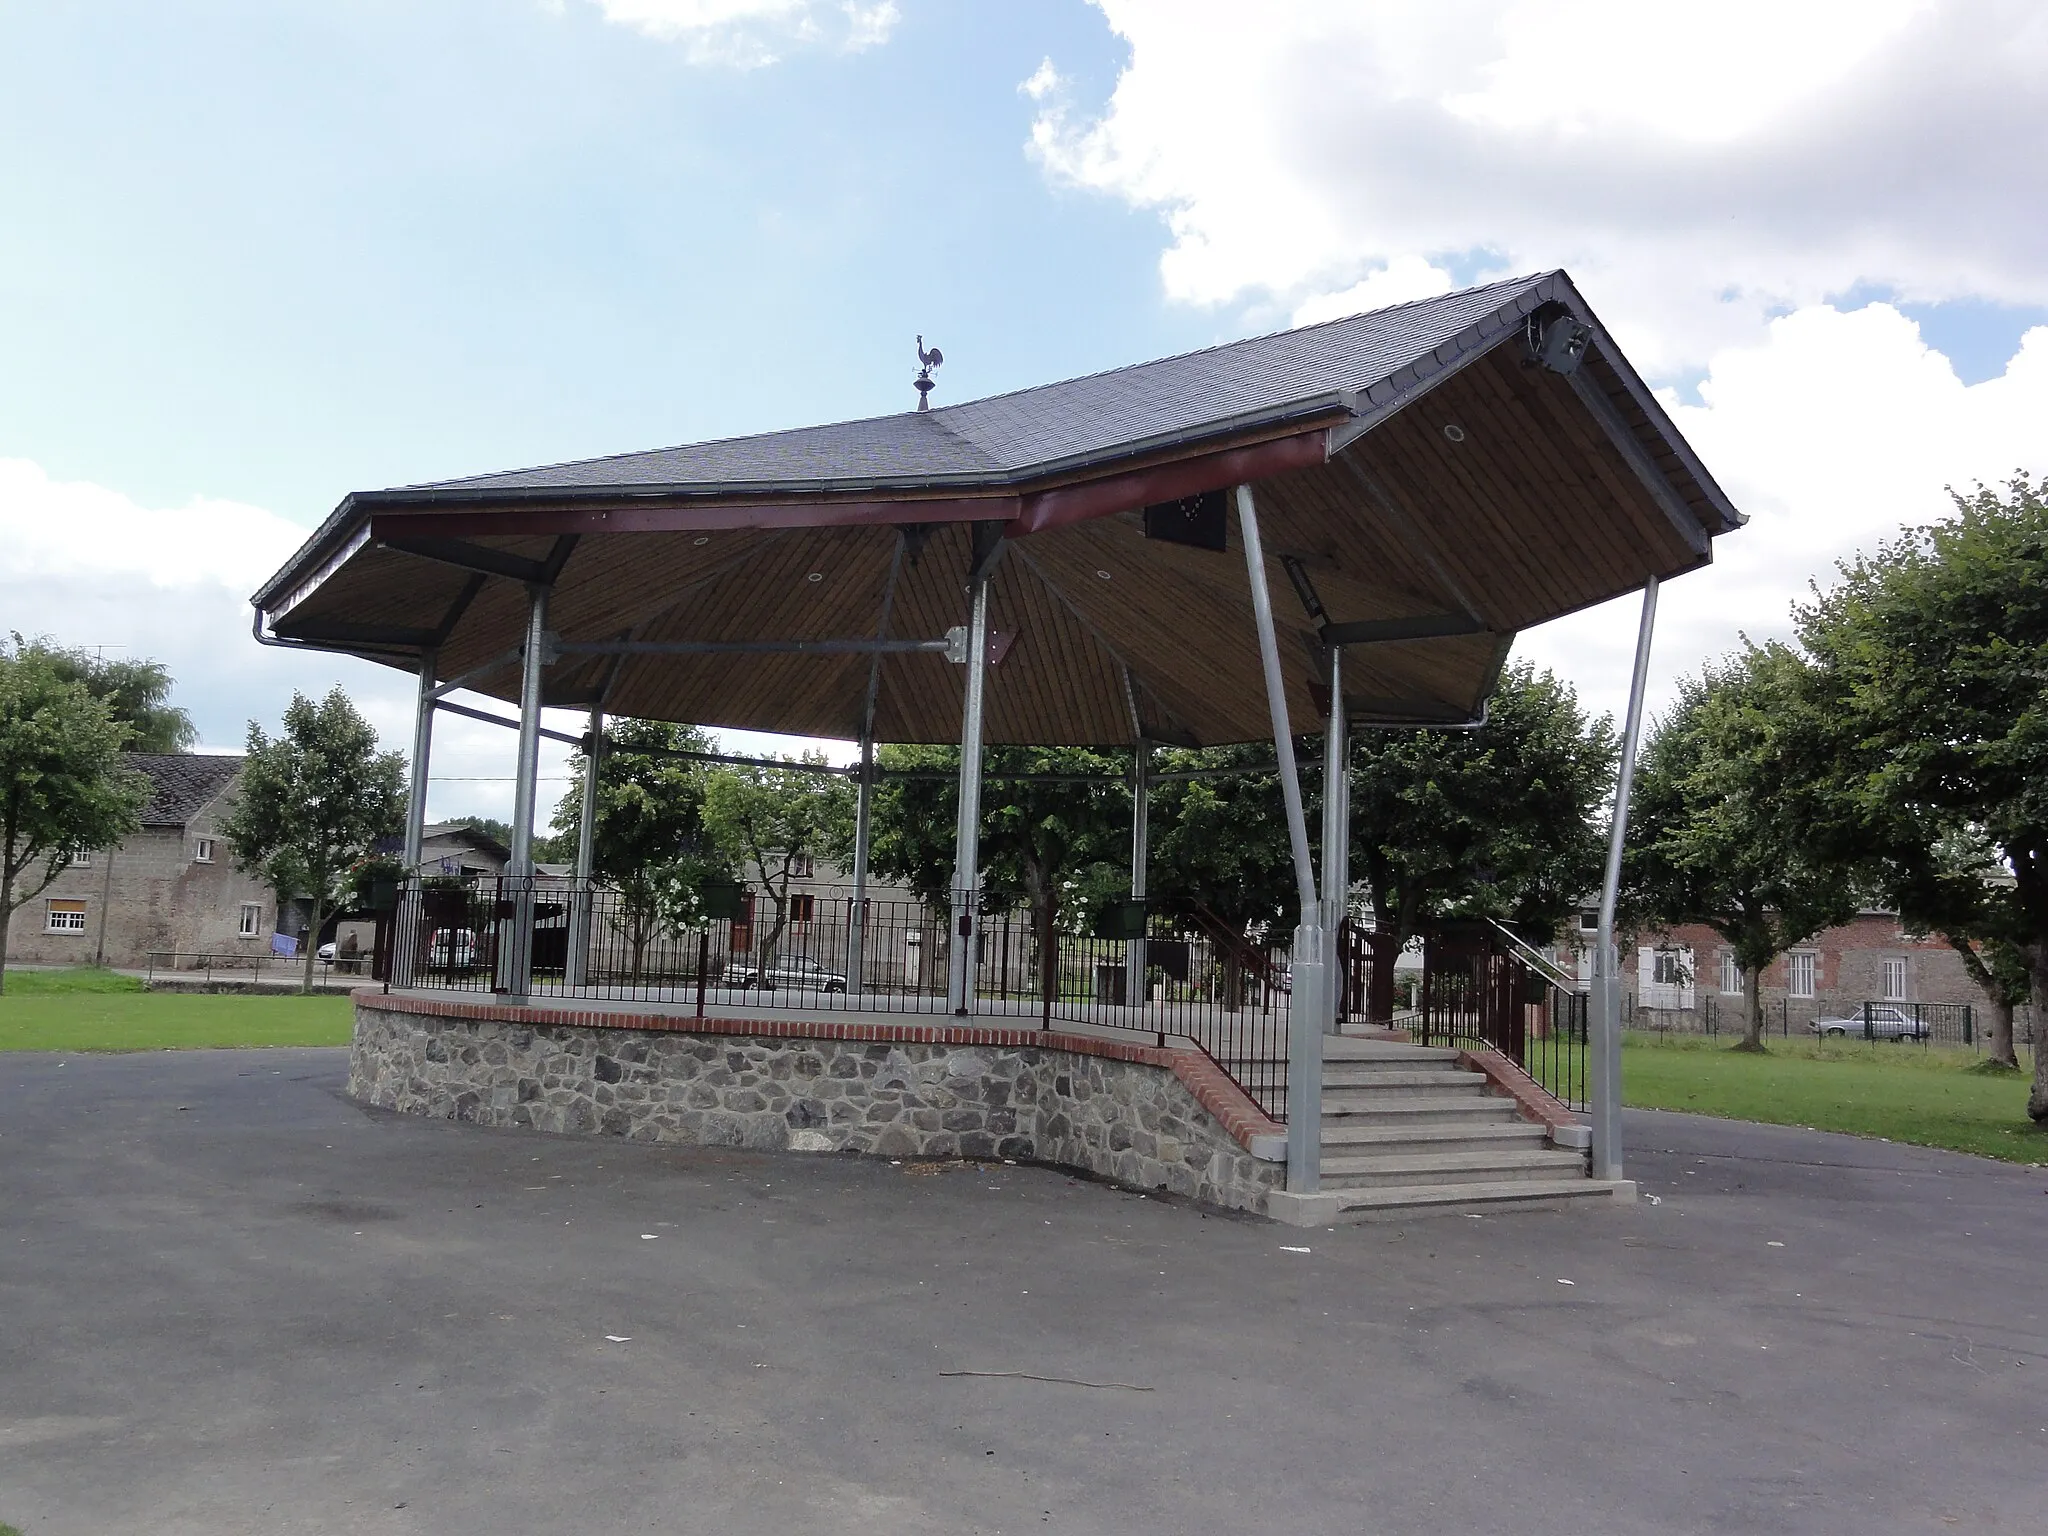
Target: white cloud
1400, 280
748, 34
1698, 168
1042, 81
1831, 431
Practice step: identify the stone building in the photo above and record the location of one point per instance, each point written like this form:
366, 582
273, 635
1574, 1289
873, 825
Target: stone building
170, 888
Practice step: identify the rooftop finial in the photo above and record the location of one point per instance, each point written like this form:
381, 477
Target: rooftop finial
924, 384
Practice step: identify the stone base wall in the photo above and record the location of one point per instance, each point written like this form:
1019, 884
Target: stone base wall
1131, 1121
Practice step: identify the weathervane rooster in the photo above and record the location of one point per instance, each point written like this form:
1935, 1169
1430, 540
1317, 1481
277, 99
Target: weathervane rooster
924, 384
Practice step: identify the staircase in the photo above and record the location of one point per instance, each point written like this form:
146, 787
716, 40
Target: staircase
1406, 1130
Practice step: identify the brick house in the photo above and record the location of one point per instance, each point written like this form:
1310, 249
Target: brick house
171, 887
1870, 958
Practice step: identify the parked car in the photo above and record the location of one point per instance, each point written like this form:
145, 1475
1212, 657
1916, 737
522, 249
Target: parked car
804, 975
1887, 1022
452, 949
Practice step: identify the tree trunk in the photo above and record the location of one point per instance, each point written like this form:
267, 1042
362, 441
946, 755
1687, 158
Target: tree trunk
6, 920
313, 942
1999, 1047
1752, 993
2037, 1100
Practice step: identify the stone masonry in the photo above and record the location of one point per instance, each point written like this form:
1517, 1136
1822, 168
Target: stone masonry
1129, 1120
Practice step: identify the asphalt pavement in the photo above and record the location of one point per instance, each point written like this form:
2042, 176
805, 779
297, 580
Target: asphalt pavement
233, 1301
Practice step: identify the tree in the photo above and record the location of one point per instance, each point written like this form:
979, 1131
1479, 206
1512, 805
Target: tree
1720, 832
63, 785
137, 693
1935, 655
771, 822
648, 840
1219, 845
312, 803
1500, 821
1041, 840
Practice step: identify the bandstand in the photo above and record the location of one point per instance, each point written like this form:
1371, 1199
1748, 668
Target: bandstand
1333, 528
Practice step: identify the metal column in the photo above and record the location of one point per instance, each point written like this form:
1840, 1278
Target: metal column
967, 838
1306, 1006
1336, 833
1141, 807
515, 932
863, 825
576, 967
422, 750
1603, 1088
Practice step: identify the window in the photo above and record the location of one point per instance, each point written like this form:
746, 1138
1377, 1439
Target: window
1799, 973
802, 908
81, 858
1670, 969
1731, 973
1895, 978
801, 866
252, 919
65, 917
1589, 920
202, 851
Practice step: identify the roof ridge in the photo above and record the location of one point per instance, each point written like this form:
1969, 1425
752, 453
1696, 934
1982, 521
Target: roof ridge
1246, 341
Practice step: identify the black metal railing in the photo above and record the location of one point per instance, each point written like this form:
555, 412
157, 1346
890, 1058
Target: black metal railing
1477, 993
819, 950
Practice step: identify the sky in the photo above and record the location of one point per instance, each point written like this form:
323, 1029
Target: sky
255, 254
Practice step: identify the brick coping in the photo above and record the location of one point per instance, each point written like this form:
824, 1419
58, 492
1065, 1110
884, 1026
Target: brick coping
1535, 1102
1212, 1088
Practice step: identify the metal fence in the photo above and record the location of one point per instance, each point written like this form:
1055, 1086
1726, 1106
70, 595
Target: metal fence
1868, 1019
183, 966
822, 951
1476, 993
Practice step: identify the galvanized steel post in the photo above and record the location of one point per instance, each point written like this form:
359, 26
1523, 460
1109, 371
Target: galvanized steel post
1141, 810
967, 836
1306, 1004
1336, 832
515, 960
576, 967
863, 813
1603, 1088
422, 749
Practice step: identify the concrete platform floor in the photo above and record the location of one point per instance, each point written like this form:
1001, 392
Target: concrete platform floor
232, 1301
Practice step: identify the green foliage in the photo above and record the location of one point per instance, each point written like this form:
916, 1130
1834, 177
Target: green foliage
648, 840
771, 821
1720, 831
63, 785
1502, 821
312, 803
1221, 844
1933, 657
137, 693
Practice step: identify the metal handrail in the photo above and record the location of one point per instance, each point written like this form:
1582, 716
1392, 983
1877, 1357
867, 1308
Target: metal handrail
1552, 972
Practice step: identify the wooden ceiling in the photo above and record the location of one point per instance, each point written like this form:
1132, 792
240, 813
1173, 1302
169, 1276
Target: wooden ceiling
1494, 502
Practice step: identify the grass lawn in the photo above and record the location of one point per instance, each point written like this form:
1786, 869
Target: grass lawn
90, 1010
1924, 1095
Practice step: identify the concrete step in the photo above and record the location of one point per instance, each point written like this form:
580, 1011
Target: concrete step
1397, 1084
1368, 1135
1396, 1202
1366, 1107
1368, 1074
1338, 1048
1489, 1166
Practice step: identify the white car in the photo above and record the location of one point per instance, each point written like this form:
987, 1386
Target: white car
804, 975
1887, 1022
452, 949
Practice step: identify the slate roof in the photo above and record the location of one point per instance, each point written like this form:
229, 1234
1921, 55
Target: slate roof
1050, 426
182, 783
